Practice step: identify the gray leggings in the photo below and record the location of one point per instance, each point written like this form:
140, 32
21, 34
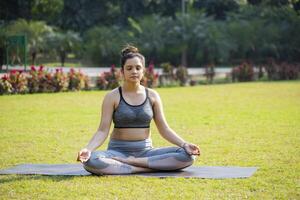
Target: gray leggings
166, 158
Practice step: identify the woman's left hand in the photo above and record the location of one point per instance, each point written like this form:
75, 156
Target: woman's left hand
191, 149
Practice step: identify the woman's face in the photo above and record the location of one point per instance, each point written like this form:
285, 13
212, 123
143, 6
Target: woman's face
133, 70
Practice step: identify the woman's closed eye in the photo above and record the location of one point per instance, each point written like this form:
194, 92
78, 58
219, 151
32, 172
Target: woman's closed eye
138, 67
128, 68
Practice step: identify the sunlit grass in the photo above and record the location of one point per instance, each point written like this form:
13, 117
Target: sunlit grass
248, 124
58, 64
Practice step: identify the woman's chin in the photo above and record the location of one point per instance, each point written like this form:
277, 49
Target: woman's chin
134, 80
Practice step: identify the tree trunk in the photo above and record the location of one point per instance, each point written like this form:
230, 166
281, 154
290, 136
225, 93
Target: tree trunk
184, 57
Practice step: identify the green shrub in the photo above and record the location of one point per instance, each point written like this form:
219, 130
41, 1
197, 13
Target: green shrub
182, 75
167, 68
243, 72
44, 79
77, 80
210, 73
33, 80
282, 71
5, 86
18, 81
109, 80
150, 78
60, 81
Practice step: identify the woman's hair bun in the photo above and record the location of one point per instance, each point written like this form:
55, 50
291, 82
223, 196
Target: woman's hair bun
129, 49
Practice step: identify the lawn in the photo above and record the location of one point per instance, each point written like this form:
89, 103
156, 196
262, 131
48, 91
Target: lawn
58, 64
245, 124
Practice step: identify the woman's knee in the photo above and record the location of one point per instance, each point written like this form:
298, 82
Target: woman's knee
173, 161
185, 158
95, 162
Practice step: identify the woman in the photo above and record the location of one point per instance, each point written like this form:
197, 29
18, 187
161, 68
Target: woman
131, 107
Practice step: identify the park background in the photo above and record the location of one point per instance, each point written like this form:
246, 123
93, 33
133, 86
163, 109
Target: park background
241, 57
222, 41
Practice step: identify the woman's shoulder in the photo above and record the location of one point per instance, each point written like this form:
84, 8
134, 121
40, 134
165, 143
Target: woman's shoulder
113, 95
153, 95
152, 91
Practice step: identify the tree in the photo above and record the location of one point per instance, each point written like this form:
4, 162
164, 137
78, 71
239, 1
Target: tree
216, 8
61, 43
84, 14
15, 9
34, 30
2, 45
46, 10
150, 36
102, 44
138, 8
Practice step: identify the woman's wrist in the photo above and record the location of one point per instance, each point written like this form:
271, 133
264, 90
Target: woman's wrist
183, 144
88, 148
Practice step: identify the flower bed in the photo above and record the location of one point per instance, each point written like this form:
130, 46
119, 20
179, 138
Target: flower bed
38, 80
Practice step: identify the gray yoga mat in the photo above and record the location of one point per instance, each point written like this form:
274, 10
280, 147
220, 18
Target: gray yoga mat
190, 172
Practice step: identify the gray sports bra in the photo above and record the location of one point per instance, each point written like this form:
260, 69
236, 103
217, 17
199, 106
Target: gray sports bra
133, 116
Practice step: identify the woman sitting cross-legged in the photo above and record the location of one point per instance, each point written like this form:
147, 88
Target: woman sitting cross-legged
131, 107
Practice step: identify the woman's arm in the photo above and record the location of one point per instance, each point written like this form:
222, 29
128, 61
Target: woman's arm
103, 130
161, 123
164, 129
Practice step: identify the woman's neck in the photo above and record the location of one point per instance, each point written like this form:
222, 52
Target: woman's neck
131, 86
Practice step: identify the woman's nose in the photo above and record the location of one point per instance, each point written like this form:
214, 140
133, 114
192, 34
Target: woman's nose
134, 70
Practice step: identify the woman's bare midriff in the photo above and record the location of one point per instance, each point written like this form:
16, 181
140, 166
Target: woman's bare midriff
131, 134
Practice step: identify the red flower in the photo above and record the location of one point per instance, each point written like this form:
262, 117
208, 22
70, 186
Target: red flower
41, 68
13, 71
151, 68
5, 77
32, 68
112, 68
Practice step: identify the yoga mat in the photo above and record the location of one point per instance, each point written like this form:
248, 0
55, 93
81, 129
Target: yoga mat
219, 172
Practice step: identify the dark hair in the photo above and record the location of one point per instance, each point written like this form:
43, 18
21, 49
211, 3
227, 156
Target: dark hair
130, 52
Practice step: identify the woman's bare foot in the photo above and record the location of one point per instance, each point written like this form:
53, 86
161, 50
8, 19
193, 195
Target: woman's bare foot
129, 160
139, 162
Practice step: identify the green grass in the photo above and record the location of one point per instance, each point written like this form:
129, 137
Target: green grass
58, 64
247, 124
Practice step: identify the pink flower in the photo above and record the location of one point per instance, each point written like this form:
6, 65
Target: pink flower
72, 71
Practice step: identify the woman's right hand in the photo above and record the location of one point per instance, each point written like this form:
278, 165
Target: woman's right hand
84, 155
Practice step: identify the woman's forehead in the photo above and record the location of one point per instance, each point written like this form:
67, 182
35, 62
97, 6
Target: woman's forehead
134, 61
